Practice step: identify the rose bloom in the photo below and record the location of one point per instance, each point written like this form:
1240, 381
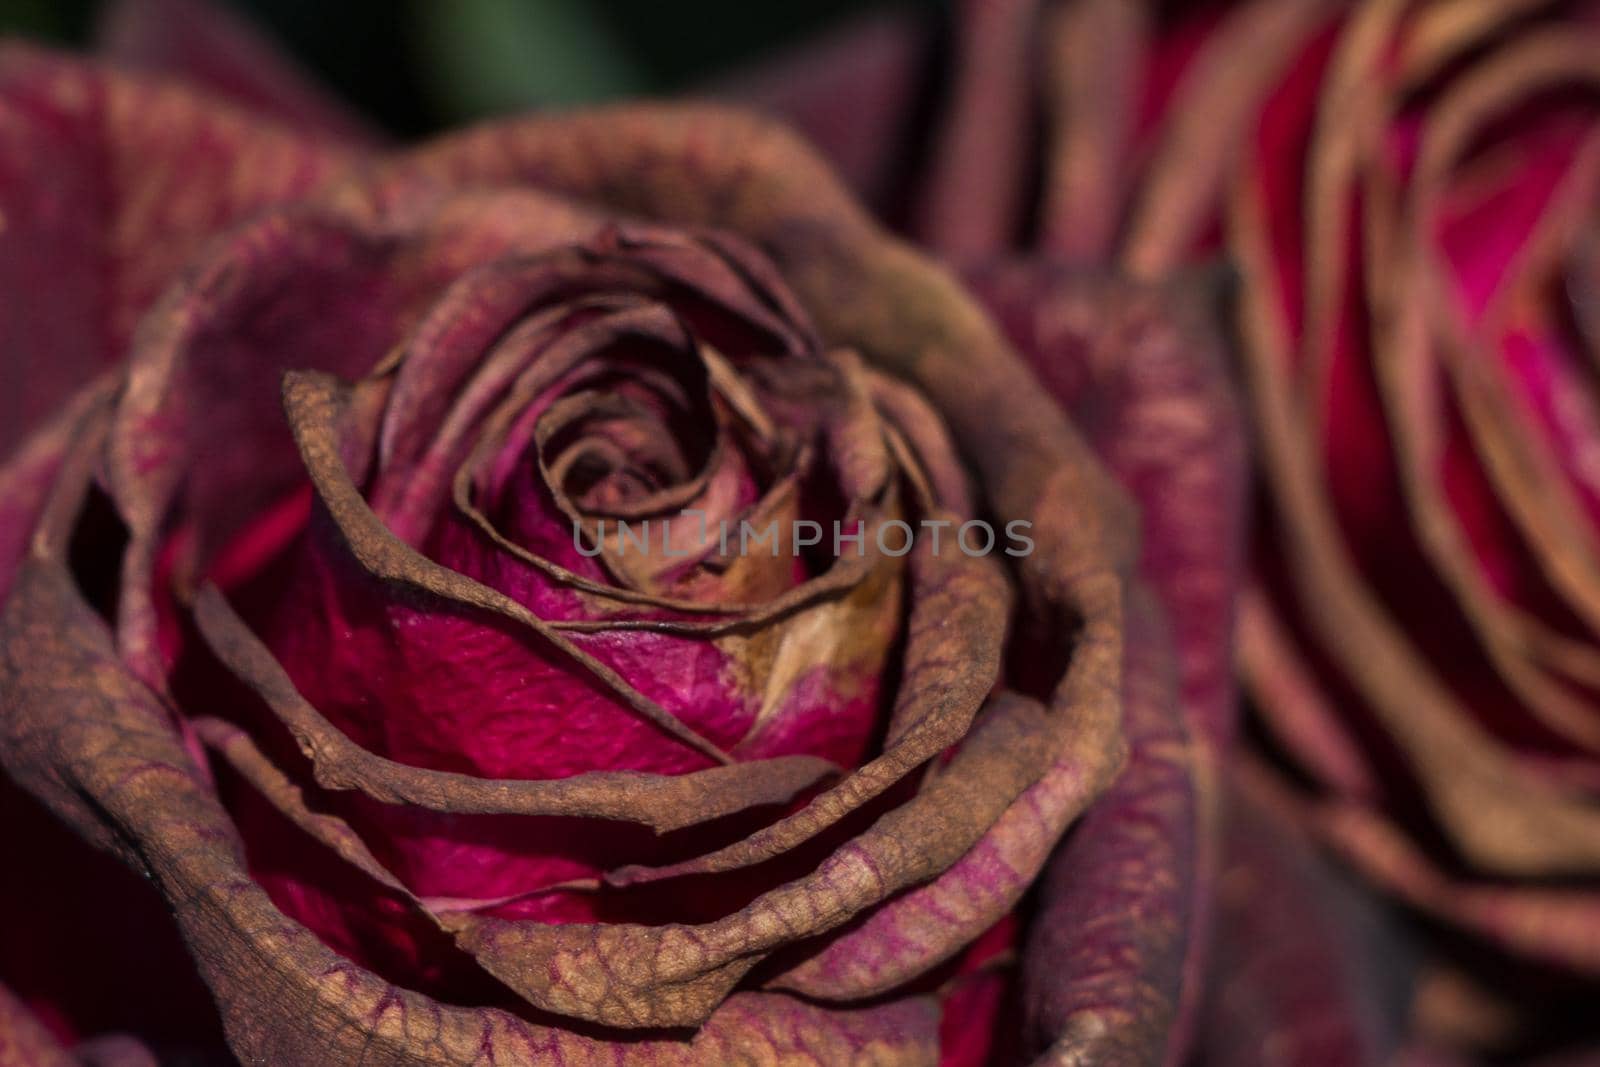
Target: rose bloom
298, 624
1418, 327
1405, 194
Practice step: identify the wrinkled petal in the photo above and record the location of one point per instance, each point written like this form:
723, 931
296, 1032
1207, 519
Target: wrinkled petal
1110, 953
261, 797
1139, 366
112, 741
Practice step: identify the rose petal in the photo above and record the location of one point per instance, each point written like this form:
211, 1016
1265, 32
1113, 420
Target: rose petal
285, 997
109, 182
971, 198
1110, 955
24, 1041
1302, 967
663, 802
27, 478
1094, 58
675, 975
206, 45
1139, 366
950, 665
1218, 96
851, 92
1551, 924
1129, 861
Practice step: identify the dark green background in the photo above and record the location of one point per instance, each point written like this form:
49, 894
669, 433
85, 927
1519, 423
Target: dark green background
416, 65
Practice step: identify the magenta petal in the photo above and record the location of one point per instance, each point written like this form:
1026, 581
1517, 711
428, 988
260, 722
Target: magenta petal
457, 692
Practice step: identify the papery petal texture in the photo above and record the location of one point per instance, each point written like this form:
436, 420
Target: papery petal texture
1403, 195
352, 607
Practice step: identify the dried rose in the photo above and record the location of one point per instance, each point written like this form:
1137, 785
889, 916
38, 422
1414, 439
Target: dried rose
434, 760
1407, 192
1417, 326
1412, 222
1128, 349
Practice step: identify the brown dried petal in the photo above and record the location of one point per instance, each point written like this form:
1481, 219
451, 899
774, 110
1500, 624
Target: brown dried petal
1536, 826
1109, 953
83, 732
78, 725
642, 976
316, 404
959, 606
662, 802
